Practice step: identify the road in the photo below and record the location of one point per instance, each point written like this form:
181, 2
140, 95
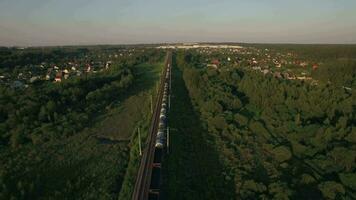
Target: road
142, 189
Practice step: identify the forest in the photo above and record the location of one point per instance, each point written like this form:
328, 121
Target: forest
57, 140
278, 138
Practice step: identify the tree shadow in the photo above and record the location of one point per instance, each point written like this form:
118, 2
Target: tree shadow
192, 170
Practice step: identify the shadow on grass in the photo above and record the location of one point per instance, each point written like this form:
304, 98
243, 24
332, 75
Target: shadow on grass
118, 124
192, 169
146, 76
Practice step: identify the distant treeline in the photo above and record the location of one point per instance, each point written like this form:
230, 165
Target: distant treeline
10, 58
317, 52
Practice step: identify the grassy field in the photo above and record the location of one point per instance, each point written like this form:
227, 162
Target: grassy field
119, 123
192, 169
91, 164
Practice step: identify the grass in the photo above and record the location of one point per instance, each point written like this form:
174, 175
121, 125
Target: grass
192, 170
119, 124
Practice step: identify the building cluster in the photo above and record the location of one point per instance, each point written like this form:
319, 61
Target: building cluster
61, 70
278, 64
199, 46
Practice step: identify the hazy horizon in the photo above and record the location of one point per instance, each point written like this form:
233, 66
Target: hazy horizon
90, 22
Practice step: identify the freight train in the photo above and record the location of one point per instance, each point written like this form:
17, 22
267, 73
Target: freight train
162, 127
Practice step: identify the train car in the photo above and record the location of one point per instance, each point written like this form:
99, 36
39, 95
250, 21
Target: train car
162, 121
162, 125
163, 117
164, 105
163, 111
160, 139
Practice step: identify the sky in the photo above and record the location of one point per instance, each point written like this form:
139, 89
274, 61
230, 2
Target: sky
85, 22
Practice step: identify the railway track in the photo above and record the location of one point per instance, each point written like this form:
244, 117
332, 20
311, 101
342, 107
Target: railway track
142, 189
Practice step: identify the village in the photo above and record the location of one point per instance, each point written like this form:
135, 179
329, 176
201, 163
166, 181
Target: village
283, 65
270, 62
56, 72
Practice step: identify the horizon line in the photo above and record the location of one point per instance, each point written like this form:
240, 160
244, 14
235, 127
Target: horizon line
169, 43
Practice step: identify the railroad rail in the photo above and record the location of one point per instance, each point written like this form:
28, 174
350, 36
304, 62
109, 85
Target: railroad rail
142, 189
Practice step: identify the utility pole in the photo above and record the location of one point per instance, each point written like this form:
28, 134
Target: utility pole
151, 103
168, 140
139, 141
169, 101
170, 88
170, 79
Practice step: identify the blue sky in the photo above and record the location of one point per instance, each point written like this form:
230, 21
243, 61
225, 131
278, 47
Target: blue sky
66, 22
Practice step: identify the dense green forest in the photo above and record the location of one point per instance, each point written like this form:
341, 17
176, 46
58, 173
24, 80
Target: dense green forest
60, 140
277, 138
40, 113
317, 52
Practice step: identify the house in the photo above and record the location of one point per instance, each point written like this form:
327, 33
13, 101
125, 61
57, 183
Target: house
303, 64
315, 66
212, 65
34, 78
303, 78
256, 68
108, 64
79, 73
215, 62
286, 75
265, 71
66, 74
50, 74
277, 75
17, 84
58, 77
88, 68
347, 88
